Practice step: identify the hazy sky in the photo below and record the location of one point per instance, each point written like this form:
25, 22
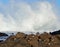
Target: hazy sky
56, 3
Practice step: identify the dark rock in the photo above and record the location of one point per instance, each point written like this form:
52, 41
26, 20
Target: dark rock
55, 32
1, 41
3, 34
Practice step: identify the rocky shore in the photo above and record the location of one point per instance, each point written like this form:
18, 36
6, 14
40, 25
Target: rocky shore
32, 40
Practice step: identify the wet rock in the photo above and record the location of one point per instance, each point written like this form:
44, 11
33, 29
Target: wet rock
55, 32
1, 41
3, 34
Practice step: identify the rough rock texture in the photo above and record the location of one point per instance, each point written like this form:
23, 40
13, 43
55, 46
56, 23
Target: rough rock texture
32, 40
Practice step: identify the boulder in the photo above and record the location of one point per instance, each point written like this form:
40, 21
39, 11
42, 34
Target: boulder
3, 34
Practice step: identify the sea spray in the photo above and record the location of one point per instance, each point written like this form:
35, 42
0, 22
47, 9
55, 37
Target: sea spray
22, 17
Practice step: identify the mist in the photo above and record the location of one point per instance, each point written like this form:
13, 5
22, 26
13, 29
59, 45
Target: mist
24, 17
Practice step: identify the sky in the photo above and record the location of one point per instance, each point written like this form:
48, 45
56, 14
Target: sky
30, 15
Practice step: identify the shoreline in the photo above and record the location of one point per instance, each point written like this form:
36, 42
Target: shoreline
32, 40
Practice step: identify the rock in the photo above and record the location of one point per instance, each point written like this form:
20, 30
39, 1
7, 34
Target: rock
20, 35
3, 34
32, 40
55, 32
1, 41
